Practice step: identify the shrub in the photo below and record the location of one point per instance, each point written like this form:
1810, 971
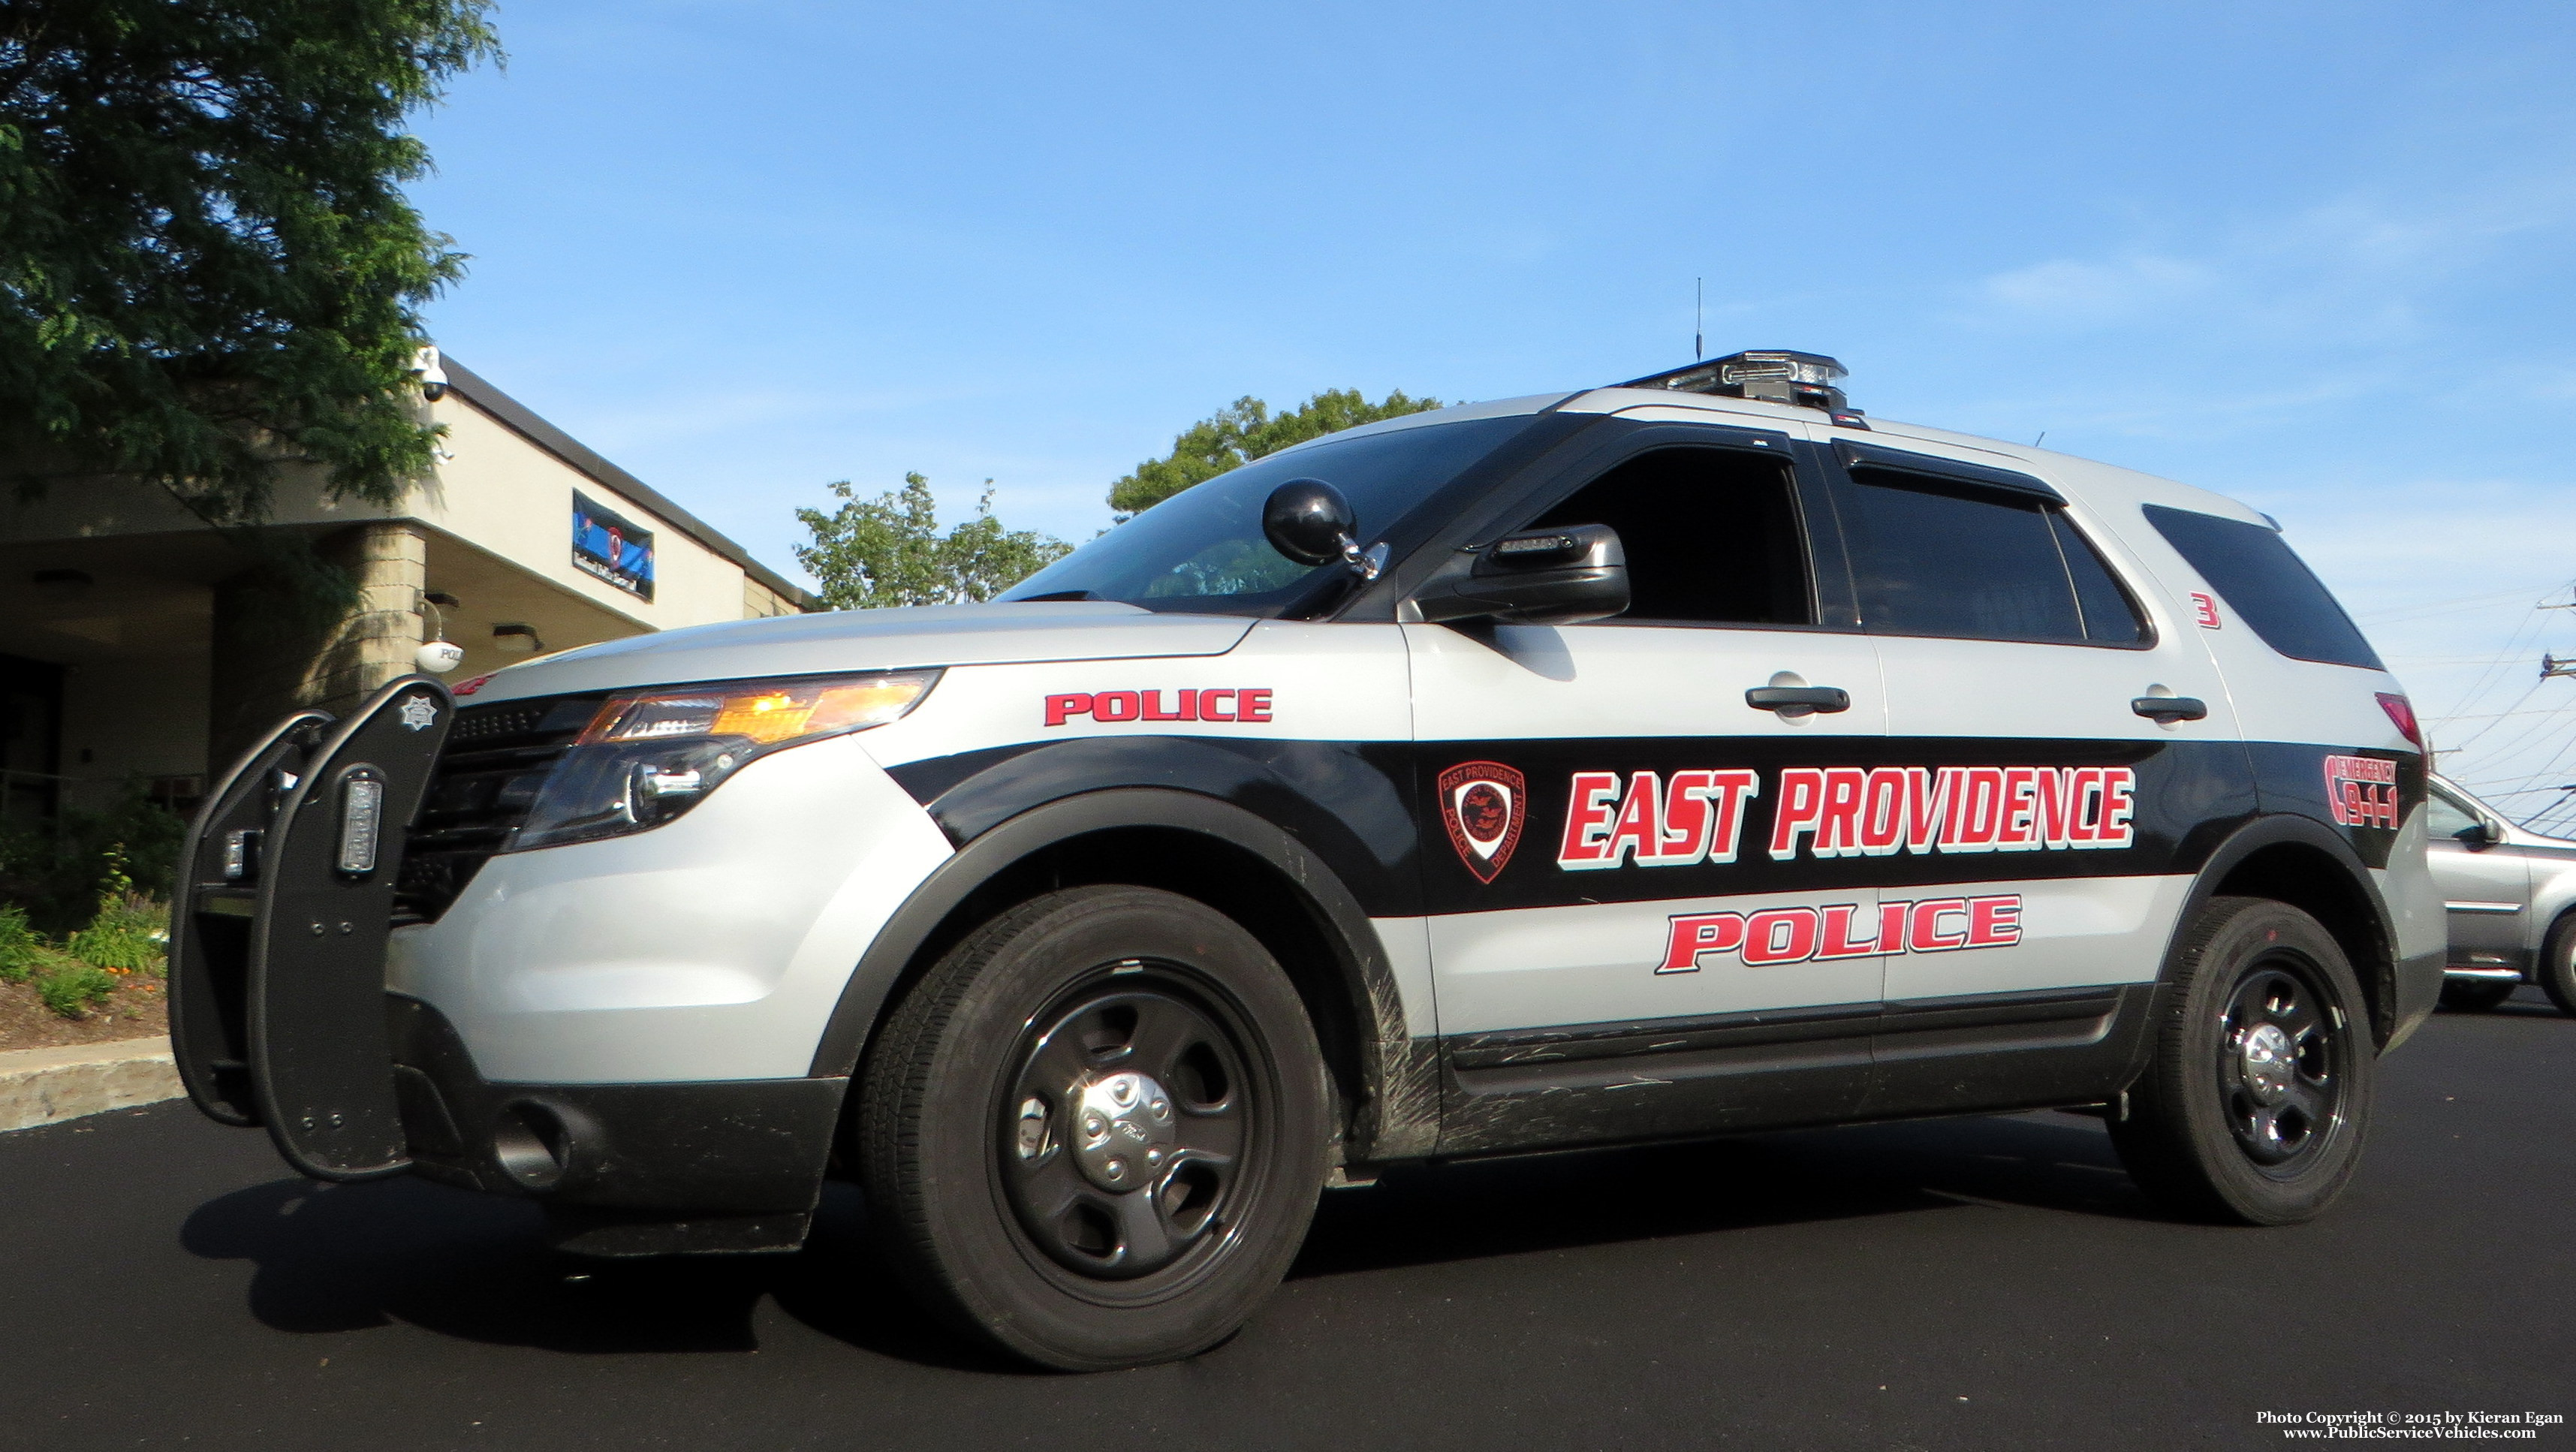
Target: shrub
120, 939
71, 988
52, 868
21, 951
126, 933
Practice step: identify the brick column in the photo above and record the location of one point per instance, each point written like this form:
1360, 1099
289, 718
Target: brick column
390, 562
264, 670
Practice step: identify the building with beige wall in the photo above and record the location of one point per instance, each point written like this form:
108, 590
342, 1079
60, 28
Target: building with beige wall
137, 645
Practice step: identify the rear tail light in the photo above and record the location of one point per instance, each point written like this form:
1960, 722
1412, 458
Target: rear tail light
2402, 712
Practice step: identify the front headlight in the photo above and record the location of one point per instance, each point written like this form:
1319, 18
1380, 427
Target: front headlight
650, 755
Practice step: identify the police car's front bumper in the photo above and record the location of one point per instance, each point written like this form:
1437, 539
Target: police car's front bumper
622, 1169
622, 1030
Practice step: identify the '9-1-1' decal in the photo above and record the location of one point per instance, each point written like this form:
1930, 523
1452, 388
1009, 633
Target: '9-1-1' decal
1774, 936
1846, 811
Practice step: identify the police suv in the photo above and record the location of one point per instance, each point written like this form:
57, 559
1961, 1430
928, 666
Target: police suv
1672, 759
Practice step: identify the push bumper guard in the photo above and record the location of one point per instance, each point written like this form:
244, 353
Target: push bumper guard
279, 1018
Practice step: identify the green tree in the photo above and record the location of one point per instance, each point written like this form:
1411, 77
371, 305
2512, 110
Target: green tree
889, 551
1244, 431
208, 269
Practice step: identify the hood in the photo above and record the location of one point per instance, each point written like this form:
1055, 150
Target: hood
867, 640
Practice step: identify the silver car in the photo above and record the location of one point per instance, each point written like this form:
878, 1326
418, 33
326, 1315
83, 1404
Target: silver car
2511, 896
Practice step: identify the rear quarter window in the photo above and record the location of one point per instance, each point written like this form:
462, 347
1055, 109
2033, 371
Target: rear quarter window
2267, 586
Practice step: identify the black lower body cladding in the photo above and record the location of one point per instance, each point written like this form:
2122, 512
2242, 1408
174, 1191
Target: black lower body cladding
623, 1169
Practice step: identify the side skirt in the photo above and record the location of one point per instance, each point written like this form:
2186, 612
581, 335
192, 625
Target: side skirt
1589, 1084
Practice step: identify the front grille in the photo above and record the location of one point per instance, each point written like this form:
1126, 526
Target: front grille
496, 760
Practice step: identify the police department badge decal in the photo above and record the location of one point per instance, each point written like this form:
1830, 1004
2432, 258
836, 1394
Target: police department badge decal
417, 713
1483, 804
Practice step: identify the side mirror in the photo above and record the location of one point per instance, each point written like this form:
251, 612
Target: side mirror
2485, 834
1538, 577
1310, 522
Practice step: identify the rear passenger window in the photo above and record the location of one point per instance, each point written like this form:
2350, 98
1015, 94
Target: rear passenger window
2270, 589
1711, 536
1934, 557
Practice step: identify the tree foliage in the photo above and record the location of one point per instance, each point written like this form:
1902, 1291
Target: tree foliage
1244, 431
207, 265
888, 550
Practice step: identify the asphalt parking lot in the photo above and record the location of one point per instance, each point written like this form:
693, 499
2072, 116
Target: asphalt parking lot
1973, 1283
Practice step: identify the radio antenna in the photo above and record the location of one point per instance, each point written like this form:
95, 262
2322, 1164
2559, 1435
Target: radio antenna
1699, 317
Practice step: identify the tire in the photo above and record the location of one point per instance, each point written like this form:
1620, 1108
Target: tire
2232, 1123
2476, 995
1034, 1191
2557, 966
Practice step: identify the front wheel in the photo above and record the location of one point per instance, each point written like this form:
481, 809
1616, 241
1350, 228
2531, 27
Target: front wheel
2252, 1107
1094, 1133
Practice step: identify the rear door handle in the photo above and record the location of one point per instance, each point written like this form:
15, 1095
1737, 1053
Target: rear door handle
2170, 708
1799, 700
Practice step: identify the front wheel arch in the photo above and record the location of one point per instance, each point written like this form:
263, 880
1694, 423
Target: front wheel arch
1181, 841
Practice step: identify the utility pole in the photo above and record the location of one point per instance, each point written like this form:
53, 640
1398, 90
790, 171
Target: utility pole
2552, 666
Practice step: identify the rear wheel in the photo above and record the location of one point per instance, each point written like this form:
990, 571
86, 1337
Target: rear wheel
2476, 995
1093, 1135
2558, 964
2253, 1105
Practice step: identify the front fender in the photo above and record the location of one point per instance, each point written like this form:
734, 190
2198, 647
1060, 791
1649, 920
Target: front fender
1399, 1077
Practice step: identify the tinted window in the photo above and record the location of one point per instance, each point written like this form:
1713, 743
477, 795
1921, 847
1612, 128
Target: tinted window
1932, 557
2448, 818
1711, 536
2268, 587
2110, 616
1202, 549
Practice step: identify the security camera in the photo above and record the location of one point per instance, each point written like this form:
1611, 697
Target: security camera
433, 379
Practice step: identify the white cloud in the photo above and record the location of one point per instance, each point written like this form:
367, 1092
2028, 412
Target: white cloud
2068, 291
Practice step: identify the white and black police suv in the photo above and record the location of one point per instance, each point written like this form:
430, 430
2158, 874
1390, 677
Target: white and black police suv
1673, 759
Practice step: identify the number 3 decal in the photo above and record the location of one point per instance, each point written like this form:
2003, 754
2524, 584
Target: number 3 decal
2205, 610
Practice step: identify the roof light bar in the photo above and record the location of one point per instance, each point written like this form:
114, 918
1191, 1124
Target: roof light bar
1775, 374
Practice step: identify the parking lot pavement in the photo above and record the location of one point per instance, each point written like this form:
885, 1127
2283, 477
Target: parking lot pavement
1973, 1283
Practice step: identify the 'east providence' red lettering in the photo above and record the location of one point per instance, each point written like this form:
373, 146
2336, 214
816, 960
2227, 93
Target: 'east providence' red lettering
1696, 817
1615, 819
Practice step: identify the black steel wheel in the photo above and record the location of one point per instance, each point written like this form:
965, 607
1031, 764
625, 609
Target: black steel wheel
2558, 964
1094, 1133
2253, 1104
1125, 1129
2477, 995
2281, 1062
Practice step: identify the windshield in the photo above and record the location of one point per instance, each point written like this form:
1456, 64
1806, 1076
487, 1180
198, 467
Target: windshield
1203, 550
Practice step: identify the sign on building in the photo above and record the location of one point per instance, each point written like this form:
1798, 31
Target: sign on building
608, 545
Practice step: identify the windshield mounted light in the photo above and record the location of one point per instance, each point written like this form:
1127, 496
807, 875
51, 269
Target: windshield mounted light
650, 755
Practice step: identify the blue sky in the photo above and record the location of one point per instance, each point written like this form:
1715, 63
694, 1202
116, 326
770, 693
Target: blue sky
2314, 256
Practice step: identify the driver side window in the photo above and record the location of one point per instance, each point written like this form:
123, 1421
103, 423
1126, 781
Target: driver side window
1711, 536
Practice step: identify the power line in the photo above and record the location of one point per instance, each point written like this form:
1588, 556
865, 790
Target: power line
2440, 607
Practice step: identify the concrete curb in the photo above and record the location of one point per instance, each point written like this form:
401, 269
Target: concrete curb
48, 1086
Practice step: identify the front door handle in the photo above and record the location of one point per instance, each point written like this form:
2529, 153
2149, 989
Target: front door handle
2169, 709
1799, 700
